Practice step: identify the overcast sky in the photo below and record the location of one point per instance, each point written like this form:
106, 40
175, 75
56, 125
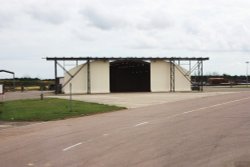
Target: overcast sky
33, 29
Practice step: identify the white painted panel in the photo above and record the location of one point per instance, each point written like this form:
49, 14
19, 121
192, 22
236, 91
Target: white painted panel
79, 82
99, 77
1, 89
182, 83
160, 74
160, 77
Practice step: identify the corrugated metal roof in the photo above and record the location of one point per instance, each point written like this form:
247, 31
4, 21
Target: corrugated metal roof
128, 58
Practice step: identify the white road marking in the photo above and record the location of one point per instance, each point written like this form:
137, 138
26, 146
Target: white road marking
30, 164
70, 147
142, 123
216, 105
105, 135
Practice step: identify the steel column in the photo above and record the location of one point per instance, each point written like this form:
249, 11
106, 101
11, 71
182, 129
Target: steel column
190, 68
14, 82
88, 77
202, 79
56, 82
200, 74
172, 76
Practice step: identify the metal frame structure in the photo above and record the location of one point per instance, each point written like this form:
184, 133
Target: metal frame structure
174, 61
10, 72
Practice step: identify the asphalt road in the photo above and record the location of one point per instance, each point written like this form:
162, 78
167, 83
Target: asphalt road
205, 132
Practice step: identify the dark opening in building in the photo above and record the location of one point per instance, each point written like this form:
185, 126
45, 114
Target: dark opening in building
129, 76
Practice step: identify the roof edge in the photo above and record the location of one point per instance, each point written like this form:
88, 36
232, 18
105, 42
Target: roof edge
127, 58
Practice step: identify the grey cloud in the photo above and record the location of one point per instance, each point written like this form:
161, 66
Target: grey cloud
143, 41
191, 28
104, 19
6, 19
3, 21
161, 22
157, 21
142, 46
96, 19
82, 35
48, 16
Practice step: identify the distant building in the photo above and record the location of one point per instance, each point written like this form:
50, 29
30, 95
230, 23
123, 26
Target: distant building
217, 81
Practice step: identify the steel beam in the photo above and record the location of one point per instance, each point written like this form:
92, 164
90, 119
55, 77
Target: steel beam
7, 71
184, 74
64, 69
128, 58
72, 76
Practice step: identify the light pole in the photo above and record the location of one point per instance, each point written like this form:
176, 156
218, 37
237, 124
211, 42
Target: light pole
247, 62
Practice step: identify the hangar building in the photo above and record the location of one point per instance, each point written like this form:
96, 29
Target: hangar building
107, 75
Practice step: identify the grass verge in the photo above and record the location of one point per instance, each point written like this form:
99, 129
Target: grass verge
49, 109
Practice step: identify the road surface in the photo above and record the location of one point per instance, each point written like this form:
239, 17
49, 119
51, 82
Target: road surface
211, 131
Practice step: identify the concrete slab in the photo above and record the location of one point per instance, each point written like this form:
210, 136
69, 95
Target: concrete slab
135, 100
23, 95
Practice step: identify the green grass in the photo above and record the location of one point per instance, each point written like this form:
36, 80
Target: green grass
49, 109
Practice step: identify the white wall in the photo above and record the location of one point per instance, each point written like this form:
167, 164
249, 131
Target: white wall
160, 77
99, 78
181, 82
160, 74
79, 82
1, 89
